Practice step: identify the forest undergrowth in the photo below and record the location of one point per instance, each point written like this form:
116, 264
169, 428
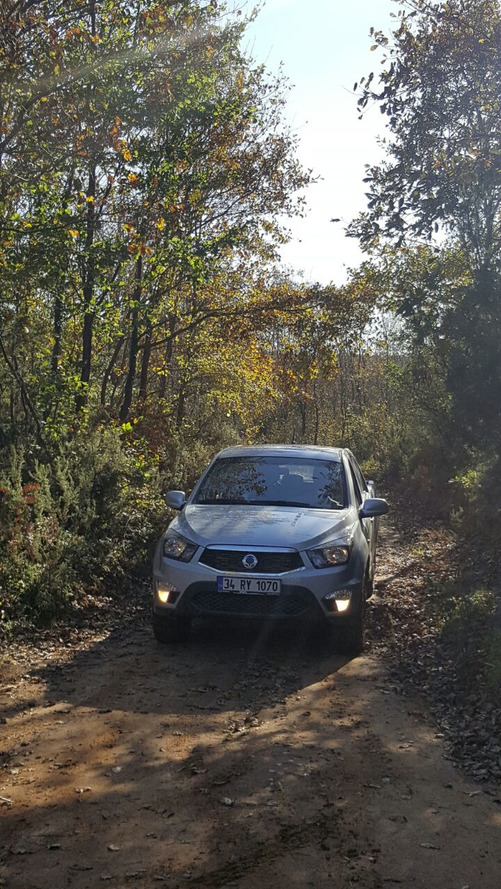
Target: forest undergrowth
438, 634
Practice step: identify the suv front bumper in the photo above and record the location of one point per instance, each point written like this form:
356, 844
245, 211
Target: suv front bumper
190, 590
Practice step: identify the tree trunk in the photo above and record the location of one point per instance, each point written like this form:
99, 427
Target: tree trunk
317, 414
169, 348
88, 292
90, 272
57, 326
134, 344
181, 405
145, 364
109, 368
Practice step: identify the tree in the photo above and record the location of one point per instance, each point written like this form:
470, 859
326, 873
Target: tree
143, 166
440, 90
142, 158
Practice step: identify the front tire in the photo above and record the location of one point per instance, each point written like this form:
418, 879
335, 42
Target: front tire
369, 583
171, 629
349, 636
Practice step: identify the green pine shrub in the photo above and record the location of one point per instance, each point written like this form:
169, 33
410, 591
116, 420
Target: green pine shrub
83, 524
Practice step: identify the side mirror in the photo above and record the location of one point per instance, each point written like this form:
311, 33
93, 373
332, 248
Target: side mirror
373, 507
175, 499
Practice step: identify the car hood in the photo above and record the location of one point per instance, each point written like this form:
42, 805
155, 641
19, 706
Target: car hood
269, 526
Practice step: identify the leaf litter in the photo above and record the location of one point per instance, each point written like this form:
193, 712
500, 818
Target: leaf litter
406, 626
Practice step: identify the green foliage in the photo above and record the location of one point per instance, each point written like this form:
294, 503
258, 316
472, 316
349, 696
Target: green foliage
477, 495
144, 165
467, 635
440, 89
79, 525
471, 618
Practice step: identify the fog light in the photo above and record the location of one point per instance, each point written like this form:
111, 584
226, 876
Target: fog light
166, 593
342, 604
338, 601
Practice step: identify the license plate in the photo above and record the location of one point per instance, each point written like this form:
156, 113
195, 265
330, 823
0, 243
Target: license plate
253, 586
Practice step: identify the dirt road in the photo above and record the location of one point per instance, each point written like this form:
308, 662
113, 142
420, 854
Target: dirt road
238, 760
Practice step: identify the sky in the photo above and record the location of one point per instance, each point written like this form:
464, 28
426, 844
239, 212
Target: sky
324, 48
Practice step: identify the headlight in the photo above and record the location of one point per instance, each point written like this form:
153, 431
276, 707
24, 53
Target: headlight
329, 556
177, 547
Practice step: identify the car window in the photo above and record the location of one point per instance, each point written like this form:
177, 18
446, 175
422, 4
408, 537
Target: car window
356, 485
274, 481
357, 472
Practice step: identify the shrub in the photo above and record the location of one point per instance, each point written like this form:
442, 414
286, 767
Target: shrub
83, 523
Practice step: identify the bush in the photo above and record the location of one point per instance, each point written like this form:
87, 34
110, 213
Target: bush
83, 523
468, 637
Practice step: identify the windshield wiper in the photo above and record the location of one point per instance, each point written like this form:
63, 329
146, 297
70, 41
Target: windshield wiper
216, 501
333, 504
277, 503
231, 501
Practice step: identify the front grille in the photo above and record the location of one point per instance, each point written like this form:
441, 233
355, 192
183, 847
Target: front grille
267, 563
290, 605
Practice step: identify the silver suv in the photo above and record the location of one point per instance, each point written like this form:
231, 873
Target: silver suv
270, 532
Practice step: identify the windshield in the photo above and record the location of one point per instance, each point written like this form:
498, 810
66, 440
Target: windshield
274, 481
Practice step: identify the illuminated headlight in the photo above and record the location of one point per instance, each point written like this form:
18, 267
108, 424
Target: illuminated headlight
329, 556
177, 547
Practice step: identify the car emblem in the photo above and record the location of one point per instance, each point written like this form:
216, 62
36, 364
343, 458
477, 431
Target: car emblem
249, 561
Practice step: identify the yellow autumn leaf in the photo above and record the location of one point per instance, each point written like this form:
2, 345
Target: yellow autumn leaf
161, 224
73, 232
127, 156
